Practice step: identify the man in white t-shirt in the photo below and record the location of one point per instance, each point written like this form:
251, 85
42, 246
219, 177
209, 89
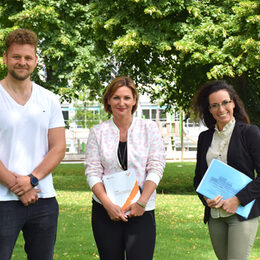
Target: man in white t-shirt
32, 144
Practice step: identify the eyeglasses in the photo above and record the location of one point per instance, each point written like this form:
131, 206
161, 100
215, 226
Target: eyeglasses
224, 103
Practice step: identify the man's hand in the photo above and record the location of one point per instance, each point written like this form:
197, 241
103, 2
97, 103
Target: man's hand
22, 185
29, 197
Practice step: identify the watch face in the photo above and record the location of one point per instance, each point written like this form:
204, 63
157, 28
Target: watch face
34, 181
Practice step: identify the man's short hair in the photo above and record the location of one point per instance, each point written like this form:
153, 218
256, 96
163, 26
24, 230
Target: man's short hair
21, 36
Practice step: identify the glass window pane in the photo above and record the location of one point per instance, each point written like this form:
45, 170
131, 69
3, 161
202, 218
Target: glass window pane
154, 114
146, 113
162, 114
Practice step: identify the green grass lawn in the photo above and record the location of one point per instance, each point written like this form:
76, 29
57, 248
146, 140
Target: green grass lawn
181, 233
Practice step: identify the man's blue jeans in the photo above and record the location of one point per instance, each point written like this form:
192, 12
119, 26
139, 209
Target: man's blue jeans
38, 222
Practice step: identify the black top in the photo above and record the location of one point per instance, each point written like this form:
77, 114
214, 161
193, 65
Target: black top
122, 154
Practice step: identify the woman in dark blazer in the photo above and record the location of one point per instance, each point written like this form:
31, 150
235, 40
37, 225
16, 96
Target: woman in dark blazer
230, 138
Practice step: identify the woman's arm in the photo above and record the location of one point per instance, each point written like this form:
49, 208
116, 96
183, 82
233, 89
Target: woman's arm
93, 167
199, 169
156, 156
252, 190
138, 208
94, 171
155, 167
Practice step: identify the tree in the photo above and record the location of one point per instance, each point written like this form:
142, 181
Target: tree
222, 41
86, 118
181, 44
67, 63
168, 47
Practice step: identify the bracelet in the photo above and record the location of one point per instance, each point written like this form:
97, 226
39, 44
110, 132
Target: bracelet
141, 204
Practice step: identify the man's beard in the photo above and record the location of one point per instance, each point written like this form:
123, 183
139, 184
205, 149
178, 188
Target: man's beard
18, 77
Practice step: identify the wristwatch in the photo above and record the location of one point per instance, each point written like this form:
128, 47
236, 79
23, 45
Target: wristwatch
34, 180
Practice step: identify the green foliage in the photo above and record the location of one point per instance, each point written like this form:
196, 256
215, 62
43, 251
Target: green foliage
181, 44
87, 118
168, 47
67, 61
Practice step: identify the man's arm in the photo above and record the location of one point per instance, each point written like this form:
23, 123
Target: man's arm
57, 148
7, 178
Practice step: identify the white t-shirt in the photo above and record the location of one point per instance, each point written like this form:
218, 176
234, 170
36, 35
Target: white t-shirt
24, 135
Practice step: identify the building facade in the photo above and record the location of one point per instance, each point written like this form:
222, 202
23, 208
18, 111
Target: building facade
79, 118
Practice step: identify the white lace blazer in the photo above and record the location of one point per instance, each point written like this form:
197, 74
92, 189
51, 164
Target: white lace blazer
145, 153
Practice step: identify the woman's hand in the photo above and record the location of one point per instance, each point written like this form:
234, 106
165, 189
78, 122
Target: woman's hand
214, 203
115, 212
230, 205
135, 210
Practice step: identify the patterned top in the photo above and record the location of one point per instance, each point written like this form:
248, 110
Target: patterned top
218, 150
145, 156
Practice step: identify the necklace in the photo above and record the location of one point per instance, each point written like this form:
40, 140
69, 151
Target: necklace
122, 154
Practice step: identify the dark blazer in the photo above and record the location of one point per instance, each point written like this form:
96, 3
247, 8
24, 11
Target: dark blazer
243, 154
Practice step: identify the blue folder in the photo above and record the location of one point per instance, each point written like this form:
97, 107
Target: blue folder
222, 179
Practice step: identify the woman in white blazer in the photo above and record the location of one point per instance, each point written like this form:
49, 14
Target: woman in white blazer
119, 144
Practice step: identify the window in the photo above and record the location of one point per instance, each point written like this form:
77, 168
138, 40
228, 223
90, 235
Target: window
189, 123
66, 117
154, 114
151, 114
162, 115
146, 113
